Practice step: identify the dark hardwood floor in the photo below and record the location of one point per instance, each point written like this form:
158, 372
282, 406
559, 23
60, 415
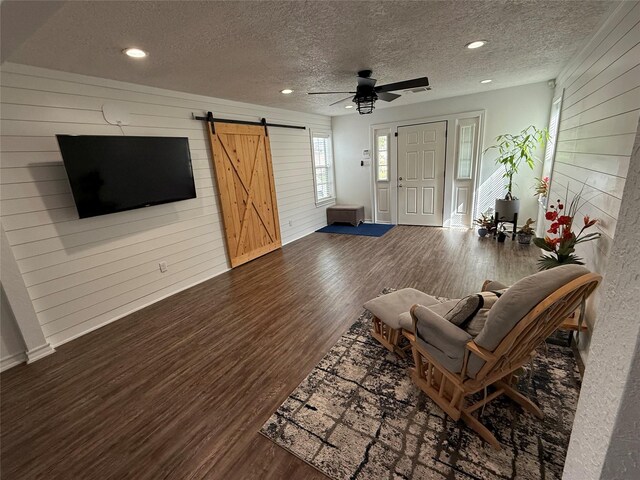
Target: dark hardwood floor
180, 389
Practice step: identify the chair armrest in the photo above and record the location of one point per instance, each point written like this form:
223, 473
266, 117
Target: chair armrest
438, 331
490, 285
483, 353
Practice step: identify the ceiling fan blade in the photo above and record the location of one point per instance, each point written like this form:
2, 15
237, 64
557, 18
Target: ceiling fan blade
415, 83
340, 101
327, 93
366, 81
387, 97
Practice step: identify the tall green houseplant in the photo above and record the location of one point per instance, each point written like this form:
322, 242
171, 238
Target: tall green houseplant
513, 150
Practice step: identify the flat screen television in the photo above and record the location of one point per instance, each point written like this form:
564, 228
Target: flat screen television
110, 174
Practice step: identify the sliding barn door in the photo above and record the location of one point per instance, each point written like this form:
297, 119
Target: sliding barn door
242, 161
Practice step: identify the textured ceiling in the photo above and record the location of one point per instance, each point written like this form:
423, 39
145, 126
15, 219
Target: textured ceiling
249, 51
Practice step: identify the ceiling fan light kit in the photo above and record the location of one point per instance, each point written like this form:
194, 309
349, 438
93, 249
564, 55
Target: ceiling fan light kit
365, 105
367, 93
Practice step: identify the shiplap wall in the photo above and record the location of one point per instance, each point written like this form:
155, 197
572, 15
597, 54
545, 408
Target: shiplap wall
82, 274
12, 348
597, 129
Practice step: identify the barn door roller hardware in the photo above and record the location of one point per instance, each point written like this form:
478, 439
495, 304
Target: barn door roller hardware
263, 122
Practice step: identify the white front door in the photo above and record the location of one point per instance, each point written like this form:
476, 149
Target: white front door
421, 164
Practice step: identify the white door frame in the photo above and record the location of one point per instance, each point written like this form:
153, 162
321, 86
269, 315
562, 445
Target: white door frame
451, 120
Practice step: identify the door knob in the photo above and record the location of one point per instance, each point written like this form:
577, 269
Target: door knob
399, 178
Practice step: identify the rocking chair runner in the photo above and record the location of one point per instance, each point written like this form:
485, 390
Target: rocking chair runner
451, 366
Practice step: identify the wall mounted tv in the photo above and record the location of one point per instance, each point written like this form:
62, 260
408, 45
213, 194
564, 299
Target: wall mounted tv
111, 174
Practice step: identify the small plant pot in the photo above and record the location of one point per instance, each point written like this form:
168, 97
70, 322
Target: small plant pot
524, 238
501, 237
483, 232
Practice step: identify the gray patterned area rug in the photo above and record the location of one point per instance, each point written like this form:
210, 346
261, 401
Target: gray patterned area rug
358, 416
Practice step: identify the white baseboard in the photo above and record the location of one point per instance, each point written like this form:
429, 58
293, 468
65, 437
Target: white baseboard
129, 312
39, 352
303, 234
12, 360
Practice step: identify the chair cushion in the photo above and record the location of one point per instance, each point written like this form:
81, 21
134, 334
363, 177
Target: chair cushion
441, 309
439, 337
405, 321
453, 364
389, 307
516, 302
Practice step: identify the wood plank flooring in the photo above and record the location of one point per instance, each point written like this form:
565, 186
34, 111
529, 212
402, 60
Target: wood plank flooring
180, 389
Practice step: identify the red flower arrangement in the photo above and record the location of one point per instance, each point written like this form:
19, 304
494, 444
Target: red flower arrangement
562, 244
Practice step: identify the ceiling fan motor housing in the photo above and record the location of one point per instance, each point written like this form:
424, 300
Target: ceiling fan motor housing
365, 97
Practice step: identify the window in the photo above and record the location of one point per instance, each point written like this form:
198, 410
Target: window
465, 151
550, 151
382, 157
322, 167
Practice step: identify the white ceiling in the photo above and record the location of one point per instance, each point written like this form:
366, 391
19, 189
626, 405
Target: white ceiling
249, 51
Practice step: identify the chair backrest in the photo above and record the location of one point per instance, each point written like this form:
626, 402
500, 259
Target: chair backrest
527, 313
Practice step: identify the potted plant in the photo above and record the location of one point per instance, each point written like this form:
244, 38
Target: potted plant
485, 223
512, 151
561, 245
525, 234
542, 187
502, 236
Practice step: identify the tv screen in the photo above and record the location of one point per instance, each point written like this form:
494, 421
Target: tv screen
111, 174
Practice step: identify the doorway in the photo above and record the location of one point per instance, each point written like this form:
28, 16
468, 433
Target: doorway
421, 173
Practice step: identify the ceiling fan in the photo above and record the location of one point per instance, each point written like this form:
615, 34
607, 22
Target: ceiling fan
367, 93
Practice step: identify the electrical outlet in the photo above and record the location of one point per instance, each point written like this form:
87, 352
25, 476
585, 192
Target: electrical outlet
291, 223
163, 266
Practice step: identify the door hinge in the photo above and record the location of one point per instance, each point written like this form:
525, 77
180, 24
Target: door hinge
395, 134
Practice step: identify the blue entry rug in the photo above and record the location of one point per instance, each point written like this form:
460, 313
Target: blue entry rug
366, 229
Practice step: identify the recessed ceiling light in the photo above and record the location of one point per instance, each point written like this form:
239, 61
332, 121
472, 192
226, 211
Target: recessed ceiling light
348, 106
135, 52
485, 81
476, 44
286, 91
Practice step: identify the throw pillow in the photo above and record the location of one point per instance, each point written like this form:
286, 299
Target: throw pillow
492, 286
471, 313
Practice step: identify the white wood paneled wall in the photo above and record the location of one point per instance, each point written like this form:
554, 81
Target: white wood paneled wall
598, 125
82, 274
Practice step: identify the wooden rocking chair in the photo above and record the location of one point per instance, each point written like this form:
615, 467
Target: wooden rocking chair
451, 366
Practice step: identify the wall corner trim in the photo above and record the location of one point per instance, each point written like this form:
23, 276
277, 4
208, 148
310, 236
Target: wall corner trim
12, 360
39, 352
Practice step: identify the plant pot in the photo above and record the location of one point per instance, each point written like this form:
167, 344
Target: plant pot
524, 238
501, 237
483, 231
507, 209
